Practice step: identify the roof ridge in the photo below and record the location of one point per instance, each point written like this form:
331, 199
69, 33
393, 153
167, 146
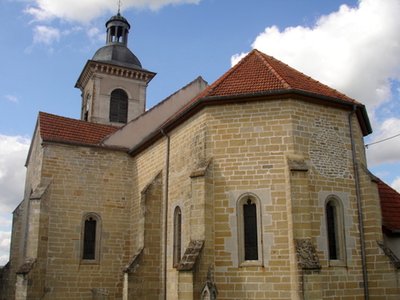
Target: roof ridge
44, 114
272, 69
299, 72
220, 80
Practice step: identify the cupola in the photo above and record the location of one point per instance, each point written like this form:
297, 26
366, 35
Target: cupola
113, 83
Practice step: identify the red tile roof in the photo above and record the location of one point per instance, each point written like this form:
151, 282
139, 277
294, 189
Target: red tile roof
390, 205
54, 128
260, 73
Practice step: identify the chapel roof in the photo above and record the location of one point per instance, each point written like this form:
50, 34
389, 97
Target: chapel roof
55, 128
259, 73
390, 205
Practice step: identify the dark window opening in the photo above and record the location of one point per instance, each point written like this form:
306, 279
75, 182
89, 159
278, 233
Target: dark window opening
119, 106
177, 236
89, 239
250, 231
331, 220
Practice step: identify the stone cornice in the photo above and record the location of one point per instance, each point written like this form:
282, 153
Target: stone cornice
95, 67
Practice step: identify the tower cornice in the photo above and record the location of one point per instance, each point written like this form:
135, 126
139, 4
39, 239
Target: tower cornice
95, 67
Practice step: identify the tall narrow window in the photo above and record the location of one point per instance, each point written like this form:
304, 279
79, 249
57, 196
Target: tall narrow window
335, 233
119, 106
249, 231
177, 236
90, 237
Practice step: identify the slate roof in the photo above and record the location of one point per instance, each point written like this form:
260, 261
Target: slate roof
390, 205
55, 128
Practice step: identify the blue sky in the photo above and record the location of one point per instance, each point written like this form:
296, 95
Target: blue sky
352, 46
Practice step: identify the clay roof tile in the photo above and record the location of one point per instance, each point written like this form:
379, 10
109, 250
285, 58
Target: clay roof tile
390, 205
55, 128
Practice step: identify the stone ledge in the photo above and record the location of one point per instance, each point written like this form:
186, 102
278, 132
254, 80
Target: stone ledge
201, 170
190, 257
130, 267
27, 266
297, 165
389, 253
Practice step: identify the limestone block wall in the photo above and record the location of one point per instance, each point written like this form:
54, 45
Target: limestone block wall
148, 189
9, 277
322, 138
248, 144
86, 180
144, 273
97, 93
190, 189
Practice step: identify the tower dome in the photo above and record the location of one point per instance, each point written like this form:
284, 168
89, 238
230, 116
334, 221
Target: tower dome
116, 50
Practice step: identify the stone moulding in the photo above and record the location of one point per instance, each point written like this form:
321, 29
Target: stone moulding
92, 67
389, 253
297, 165
131, 266
201, 170
27, 266
307, 256
40, 190
192, 252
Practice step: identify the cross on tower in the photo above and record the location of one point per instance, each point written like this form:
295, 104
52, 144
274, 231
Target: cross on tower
119, 6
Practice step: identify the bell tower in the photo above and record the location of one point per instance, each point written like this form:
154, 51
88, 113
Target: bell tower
113, 83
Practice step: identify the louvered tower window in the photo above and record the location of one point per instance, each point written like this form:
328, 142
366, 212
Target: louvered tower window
119, 106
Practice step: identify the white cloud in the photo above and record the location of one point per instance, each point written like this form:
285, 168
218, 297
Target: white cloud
84, 11
388, 150
396, 184
13, 151
45, 35
11, 98
355, 50
5, 238
95, 34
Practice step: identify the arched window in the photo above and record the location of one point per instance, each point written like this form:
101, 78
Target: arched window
335, 230
249, 222
177, 236
91, 237
119, 106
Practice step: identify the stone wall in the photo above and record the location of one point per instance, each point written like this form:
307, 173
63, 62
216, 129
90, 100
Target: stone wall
86, 180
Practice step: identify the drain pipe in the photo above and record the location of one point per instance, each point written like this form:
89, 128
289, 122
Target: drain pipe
166, 182
359, 206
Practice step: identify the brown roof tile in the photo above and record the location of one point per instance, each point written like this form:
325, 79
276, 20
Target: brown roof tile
390, 205
55, 128
259, 73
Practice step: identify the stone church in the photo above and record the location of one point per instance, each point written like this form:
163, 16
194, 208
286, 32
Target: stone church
253, 187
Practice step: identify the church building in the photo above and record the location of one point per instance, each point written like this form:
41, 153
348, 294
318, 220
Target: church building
253, 187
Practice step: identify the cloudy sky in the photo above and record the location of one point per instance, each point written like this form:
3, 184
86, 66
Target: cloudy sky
351, 45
